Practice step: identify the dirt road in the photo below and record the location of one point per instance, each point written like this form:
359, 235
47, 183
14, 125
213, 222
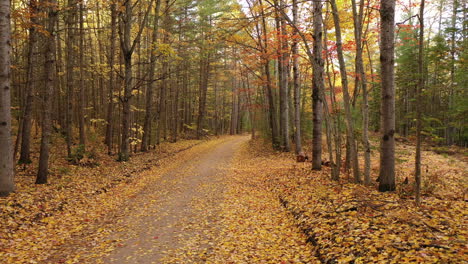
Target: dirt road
180, 212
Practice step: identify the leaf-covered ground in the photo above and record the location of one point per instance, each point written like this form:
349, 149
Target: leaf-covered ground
256, 228
74, 211
262, 207
226, 218
352, 223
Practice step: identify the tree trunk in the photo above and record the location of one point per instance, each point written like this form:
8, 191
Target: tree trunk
358, 18
317, 87
387, 60
151, 82
110, 103
239, 113
28, 107
127, 52
453, 40
203, 88
296, 84
251, 106
234, 110
49, 75
81, 97
175, 115
70, 64
346, 97
269, 90
283, 68
417, 161
6, 151
333, 115
128, 47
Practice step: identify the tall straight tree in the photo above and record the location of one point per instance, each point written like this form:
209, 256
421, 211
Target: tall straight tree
419, 90
110, 103
387, 61
205, 64
296, 82
361, 80
317, 87
125, 32
6, 145
284, 80
151, 81
453, 51
28, 107
81, 95
70, 64
316, 60
49, 75
165, 71
332, 120
347, 100
263, 40
128, 47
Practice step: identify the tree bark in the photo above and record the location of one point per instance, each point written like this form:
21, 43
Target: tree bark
317, 87
387, 61
269, 91
6, 144
449, 129
110, 103
151, 82
296, 84
81, 97
417, 161
128, 48
49, 75
127, 52
175, 111
70, 64
283, 68
358, 18
234, 110
346, 97
333, 115
250, 103
28, 107
203, 88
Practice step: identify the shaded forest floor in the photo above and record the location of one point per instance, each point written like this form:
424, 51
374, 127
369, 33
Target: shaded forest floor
270, 210
347, 223
77, 205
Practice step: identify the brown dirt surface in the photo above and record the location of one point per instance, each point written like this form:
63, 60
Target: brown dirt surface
174, 209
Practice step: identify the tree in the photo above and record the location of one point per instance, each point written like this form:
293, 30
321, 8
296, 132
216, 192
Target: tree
110, 103
128, 47
262, 33
318, 81
205, 68
81, 96
387, 62
317, 87
70, 64
49, 75
351, 144
332, 115
151, 81
296, 82
28, 107
358, 19
420, 89
6, 150
283, 73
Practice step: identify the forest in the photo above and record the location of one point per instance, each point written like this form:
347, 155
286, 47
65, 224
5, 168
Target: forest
234, 131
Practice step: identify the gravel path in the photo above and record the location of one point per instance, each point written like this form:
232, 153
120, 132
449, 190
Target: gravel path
179, 214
